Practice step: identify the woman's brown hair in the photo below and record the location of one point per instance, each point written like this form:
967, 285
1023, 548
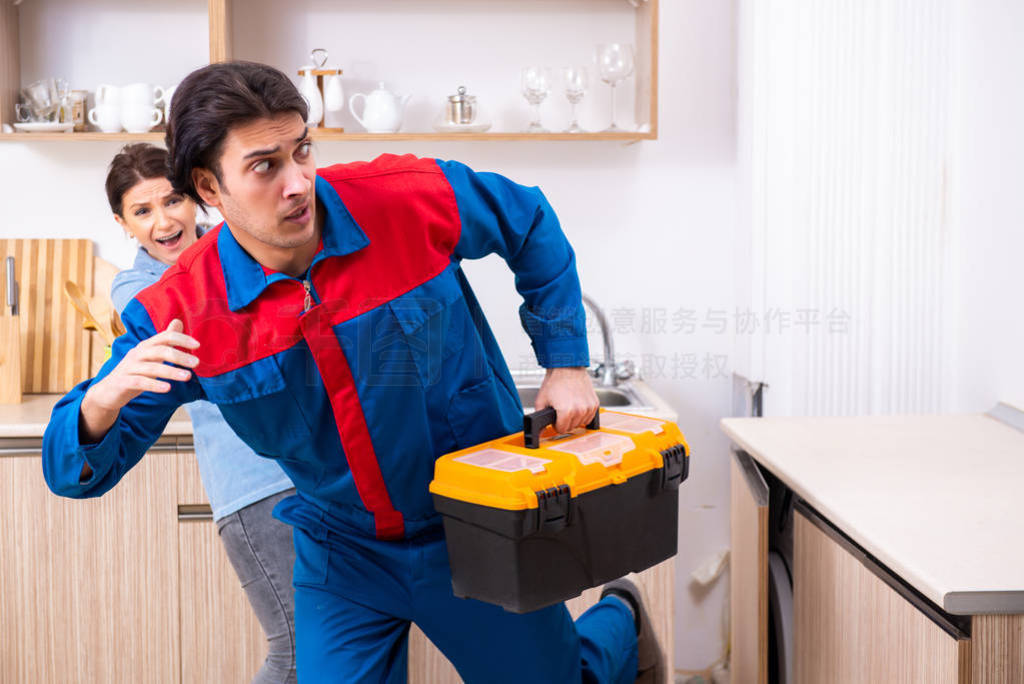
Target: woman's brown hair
133, 164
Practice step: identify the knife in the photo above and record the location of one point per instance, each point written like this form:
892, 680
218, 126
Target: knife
12, 287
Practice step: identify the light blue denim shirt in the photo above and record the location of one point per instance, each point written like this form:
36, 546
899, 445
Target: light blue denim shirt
233, 475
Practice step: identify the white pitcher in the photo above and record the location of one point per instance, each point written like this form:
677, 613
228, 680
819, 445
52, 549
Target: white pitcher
311, 93
334, 102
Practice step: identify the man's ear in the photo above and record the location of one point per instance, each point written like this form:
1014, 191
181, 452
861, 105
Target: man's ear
207, 186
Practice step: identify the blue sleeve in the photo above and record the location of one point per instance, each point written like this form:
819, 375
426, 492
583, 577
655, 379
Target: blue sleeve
137, 427
516, 222
127, 284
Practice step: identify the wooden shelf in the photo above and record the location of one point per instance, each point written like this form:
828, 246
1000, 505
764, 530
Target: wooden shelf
72, 137
221, 48
508, 137
158, 136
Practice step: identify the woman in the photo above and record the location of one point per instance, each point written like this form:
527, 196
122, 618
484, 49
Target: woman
242, 487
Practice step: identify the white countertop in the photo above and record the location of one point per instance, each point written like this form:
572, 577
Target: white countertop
29, 418
937, 499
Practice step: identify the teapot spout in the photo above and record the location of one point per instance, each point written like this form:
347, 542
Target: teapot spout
404, 100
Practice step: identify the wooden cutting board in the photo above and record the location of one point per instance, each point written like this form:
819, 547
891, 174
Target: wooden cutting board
103, 273
10, 357
55, 350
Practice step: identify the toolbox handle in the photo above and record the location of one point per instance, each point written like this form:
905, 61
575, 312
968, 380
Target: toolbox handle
534, 422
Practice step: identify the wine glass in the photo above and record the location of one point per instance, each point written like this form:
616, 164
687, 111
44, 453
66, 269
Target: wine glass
575, 88
615, 63
536, 86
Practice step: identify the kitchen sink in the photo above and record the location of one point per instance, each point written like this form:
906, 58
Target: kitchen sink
611, 380
623, 396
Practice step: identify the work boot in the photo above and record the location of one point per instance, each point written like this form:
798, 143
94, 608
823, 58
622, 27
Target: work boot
650, 660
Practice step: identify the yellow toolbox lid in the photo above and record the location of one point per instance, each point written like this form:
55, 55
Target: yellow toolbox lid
505, 473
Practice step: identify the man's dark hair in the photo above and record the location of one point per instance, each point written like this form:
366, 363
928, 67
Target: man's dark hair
132, 165
213, 99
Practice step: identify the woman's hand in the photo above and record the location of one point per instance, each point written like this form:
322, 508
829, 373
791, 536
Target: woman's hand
571, 393
143, 369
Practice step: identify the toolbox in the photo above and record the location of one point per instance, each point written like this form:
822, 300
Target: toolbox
534, 518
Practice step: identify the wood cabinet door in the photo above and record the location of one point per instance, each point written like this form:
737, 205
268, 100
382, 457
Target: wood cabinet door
427, 665
88, 589
997, 649
851, 626
748, 576
221, 639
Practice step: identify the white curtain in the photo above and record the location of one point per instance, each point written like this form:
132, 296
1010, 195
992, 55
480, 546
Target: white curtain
845, 131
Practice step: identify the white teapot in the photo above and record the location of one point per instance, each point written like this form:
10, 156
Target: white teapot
382, 111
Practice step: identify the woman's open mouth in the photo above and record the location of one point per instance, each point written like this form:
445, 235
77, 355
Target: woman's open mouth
171, 241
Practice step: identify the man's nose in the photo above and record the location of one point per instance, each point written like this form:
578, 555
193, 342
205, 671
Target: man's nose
296, 182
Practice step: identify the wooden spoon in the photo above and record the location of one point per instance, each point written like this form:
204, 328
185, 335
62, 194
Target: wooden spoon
101, 308
116, 326
74, 293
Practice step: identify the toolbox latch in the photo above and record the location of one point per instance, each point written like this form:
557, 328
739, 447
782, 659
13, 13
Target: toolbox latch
675, 468
554, 508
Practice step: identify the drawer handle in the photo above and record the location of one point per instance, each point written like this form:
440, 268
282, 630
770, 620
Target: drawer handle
195, 512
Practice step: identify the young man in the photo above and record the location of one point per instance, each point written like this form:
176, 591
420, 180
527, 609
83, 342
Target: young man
330, 321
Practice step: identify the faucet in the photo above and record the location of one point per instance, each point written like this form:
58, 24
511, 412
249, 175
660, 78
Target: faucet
606, 370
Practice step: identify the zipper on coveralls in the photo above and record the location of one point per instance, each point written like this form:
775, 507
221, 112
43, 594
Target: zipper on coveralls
308, 287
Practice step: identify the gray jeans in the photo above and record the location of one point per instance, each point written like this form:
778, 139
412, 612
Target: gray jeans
261, 550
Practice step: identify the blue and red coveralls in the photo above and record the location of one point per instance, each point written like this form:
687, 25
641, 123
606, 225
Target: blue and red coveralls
356, 377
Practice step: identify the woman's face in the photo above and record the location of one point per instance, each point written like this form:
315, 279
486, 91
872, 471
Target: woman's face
163, 221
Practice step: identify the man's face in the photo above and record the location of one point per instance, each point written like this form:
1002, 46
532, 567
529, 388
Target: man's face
265, 190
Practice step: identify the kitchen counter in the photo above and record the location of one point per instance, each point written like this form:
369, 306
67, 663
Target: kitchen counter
939, 500
29, 418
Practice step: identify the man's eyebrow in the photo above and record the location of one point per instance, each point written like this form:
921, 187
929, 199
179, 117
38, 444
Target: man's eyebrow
262, 153
275, 150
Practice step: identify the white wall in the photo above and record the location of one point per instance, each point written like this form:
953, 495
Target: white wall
990, 211
653, 223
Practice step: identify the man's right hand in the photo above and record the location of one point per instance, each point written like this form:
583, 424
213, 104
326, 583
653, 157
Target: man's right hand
143, 369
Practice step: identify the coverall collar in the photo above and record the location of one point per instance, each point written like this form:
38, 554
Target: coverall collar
245, 278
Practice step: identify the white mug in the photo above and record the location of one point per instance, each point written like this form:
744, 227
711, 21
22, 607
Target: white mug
168, 94
106, 117
136, 119
141, 94
108, 95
